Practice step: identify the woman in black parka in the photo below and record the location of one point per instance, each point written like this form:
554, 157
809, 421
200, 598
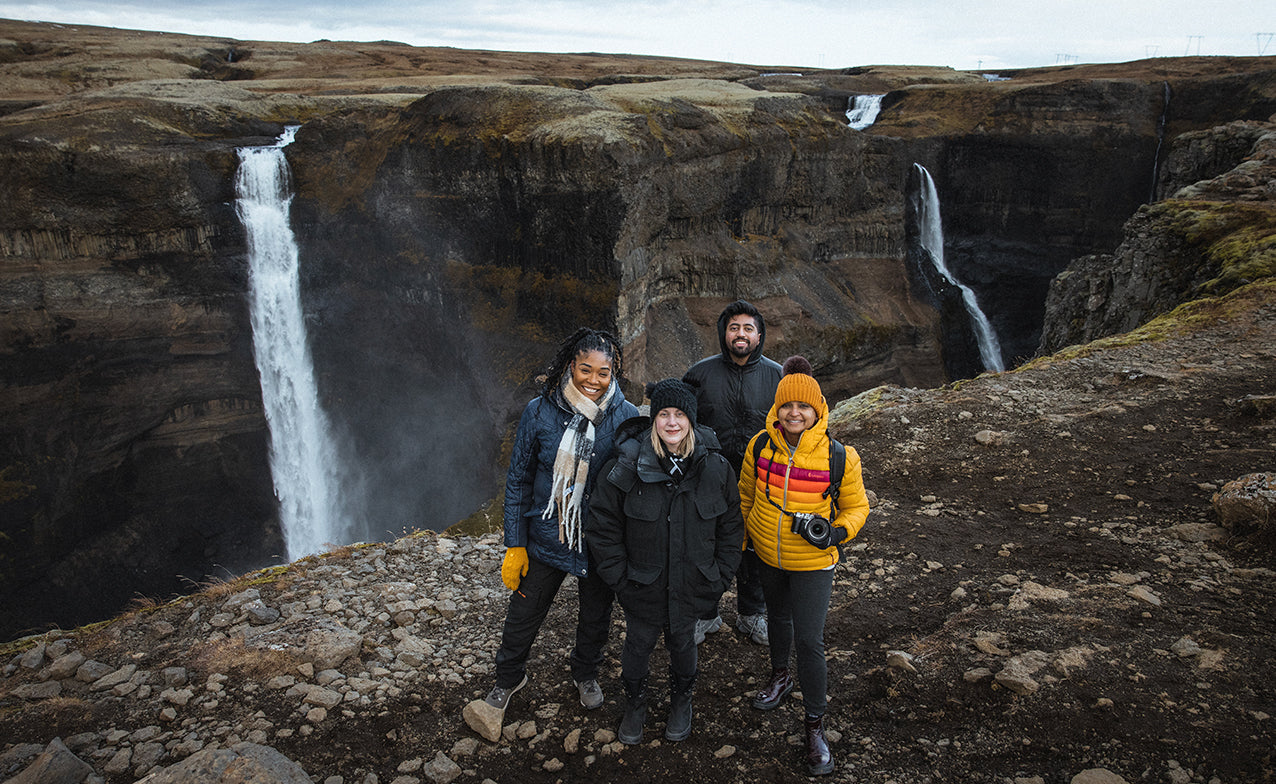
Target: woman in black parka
665, 534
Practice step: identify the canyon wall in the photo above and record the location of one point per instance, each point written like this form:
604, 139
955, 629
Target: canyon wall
458, 213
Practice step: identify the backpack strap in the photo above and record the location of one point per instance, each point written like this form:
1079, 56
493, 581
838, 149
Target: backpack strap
837, 468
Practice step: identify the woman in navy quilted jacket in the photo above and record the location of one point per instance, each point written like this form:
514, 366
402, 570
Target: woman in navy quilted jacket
564, 436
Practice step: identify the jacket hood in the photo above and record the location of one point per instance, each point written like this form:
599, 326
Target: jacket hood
722, 338
633, 443
813, 438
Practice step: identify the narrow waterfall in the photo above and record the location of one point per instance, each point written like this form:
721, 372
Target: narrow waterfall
303, 458
1160, 139
861, 110
932, 240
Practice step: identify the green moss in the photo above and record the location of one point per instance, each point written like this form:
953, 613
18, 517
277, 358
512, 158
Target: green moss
1188, 317
859, 406
1237, 240
486, 520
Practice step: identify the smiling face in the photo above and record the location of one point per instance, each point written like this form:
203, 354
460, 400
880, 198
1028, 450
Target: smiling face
591, 374
742, 337
672, 425
796, 417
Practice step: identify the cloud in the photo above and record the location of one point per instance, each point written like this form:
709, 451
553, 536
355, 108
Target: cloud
816, 33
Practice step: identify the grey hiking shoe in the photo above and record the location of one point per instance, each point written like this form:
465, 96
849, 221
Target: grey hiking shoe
591, 694
499, 698
754, 626
704, 627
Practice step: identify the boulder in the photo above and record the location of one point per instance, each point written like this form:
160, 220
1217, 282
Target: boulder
484, 719
323, 642
1247, 502
243, 763
55, 765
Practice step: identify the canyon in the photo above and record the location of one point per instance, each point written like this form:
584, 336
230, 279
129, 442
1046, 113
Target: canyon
457, 212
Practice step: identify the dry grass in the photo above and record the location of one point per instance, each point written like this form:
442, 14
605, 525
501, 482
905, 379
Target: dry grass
230, 656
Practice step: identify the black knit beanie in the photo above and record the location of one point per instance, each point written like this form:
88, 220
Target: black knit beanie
672, 393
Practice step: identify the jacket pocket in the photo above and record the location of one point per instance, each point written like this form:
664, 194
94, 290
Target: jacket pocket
710, 573
710, 506
707, 594
644, 503
644, 574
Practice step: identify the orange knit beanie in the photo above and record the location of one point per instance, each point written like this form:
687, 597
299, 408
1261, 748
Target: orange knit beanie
798, 384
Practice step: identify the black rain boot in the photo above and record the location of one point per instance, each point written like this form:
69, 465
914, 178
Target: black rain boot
819, 760
630, 731
679, 726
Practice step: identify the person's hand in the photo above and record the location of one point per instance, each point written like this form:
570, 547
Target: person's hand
514, 567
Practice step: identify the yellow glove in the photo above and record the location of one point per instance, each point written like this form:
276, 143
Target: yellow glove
514, 567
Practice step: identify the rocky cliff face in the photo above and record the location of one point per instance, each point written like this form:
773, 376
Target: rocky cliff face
133, 447
1216, 232
452, 229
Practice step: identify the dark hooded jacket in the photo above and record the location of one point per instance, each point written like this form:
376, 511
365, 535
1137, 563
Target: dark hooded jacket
668, 548
734, 399
531, 474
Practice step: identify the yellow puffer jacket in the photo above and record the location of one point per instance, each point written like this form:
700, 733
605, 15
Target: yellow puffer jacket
795, 479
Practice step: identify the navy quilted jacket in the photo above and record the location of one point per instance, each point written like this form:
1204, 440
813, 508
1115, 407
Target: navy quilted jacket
531, 471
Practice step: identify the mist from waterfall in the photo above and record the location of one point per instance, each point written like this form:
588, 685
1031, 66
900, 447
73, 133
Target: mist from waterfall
862, 110
304, 461
932, 240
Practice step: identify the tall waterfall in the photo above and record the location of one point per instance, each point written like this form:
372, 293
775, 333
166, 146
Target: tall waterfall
932, 240
861, 111
303, 457
1160, 138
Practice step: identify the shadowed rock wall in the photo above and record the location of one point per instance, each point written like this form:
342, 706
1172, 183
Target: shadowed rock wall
133, 446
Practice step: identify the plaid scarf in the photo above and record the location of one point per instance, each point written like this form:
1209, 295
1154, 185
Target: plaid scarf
571, 463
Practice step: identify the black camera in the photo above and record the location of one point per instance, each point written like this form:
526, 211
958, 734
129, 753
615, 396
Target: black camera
813, 528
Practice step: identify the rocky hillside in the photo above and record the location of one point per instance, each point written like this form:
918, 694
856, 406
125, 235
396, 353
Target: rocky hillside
1042, 594
455, 210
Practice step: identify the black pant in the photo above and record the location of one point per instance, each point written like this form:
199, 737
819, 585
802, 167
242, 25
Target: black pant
748, 588
641, 636
527, 610
797, 603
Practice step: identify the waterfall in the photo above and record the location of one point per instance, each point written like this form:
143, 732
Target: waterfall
303, 458
932, 241
861, 110
1160, 138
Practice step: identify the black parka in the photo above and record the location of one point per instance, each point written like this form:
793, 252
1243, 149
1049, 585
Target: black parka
668, 548
733, 400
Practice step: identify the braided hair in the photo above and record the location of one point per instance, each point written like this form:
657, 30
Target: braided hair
582, 341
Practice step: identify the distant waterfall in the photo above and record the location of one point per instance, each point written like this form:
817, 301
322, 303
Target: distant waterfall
303, 458
861, 111
1160, 139
932, 240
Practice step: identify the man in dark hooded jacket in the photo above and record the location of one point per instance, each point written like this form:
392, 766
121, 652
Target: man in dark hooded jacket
734, 391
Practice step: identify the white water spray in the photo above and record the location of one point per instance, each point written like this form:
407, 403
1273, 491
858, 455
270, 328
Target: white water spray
932, 239
303, 458
862, 110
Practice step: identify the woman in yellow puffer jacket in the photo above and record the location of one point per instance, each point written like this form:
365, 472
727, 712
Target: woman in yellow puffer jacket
789, 474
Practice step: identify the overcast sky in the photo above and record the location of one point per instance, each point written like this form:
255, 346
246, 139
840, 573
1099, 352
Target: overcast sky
818, 33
